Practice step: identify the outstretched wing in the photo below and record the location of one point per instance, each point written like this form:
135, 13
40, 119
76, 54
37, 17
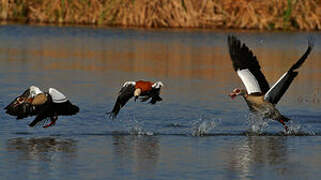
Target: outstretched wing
247, 67
125, 94
279, 88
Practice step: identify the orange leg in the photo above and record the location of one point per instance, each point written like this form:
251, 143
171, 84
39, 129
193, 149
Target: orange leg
53, 120
285, 126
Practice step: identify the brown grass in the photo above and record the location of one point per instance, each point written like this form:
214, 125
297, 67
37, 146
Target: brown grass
232, 14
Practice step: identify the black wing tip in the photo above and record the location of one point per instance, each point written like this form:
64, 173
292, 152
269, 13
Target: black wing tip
233, 45
233, 41
231, 36
304, 56
241, 55
111, 115
32, 124
73, 109
76, 109
311, 43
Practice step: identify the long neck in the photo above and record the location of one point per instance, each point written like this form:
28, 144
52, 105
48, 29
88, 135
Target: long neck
244, 93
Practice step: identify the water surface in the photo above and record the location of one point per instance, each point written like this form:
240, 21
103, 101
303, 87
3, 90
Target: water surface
197, 132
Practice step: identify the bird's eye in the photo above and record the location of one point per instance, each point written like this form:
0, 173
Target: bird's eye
19, 99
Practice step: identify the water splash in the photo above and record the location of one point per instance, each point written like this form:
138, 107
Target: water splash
257, 123
203, 126
298, 129
175, 125
137, 130
130, 125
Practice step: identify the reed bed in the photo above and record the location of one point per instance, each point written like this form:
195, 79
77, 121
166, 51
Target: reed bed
215, 14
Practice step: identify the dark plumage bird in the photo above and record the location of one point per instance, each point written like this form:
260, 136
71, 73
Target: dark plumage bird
144, 90
43, 105
258, 94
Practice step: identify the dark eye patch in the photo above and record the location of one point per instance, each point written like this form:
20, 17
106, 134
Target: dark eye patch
19, 99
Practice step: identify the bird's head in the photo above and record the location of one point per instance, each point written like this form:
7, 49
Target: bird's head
19, 100
25, 97
158, 85
237, 92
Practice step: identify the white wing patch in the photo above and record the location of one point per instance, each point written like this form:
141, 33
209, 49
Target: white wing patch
129, 83
249, 80
158, 85
57, 97
266, 96
34, 91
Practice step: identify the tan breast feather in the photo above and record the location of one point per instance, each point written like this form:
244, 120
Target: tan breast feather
39, 99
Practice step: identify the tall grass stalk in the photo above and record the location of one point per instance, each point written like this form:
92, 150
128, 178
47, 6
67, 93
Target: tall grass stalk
235, 14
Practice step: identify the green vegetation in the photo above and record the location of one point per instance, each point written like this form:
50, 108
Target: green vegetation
287, 15
216, 14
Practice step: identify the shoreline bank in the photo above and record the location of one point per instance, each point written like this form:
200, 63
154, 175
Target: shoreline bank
284, 15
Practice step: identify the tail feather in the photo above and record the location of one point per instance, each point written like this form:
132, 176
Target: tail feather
66, 108
155, 99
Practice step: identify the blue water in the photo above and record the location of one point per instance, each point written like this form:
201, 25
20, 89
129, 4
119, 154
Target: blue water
196, 132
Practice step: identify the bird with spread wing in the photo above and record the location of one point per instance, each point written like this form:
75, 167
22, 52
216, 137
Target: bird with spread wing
144, 90
43, 105
260, 98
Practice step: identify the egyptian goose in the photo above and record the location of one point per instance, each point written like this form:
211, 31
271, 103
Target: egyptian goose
143, 89
260, 98
44, 105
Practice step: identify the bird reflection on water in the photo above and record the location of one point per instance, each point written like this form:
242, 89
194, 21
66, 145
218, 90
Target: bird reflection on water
255, 152
43, 148
142, 151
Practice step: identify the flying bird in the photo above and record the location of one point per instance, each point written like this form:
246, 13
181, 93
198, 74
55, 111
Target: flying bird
144, 90
258, 95
43, 105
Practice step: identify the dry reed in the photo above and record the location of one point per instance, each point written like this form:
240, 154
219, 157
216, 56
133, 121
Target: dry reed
232, 14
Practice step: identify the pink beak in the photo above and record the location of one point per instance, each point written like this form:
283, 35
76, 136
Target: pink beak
232, 95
